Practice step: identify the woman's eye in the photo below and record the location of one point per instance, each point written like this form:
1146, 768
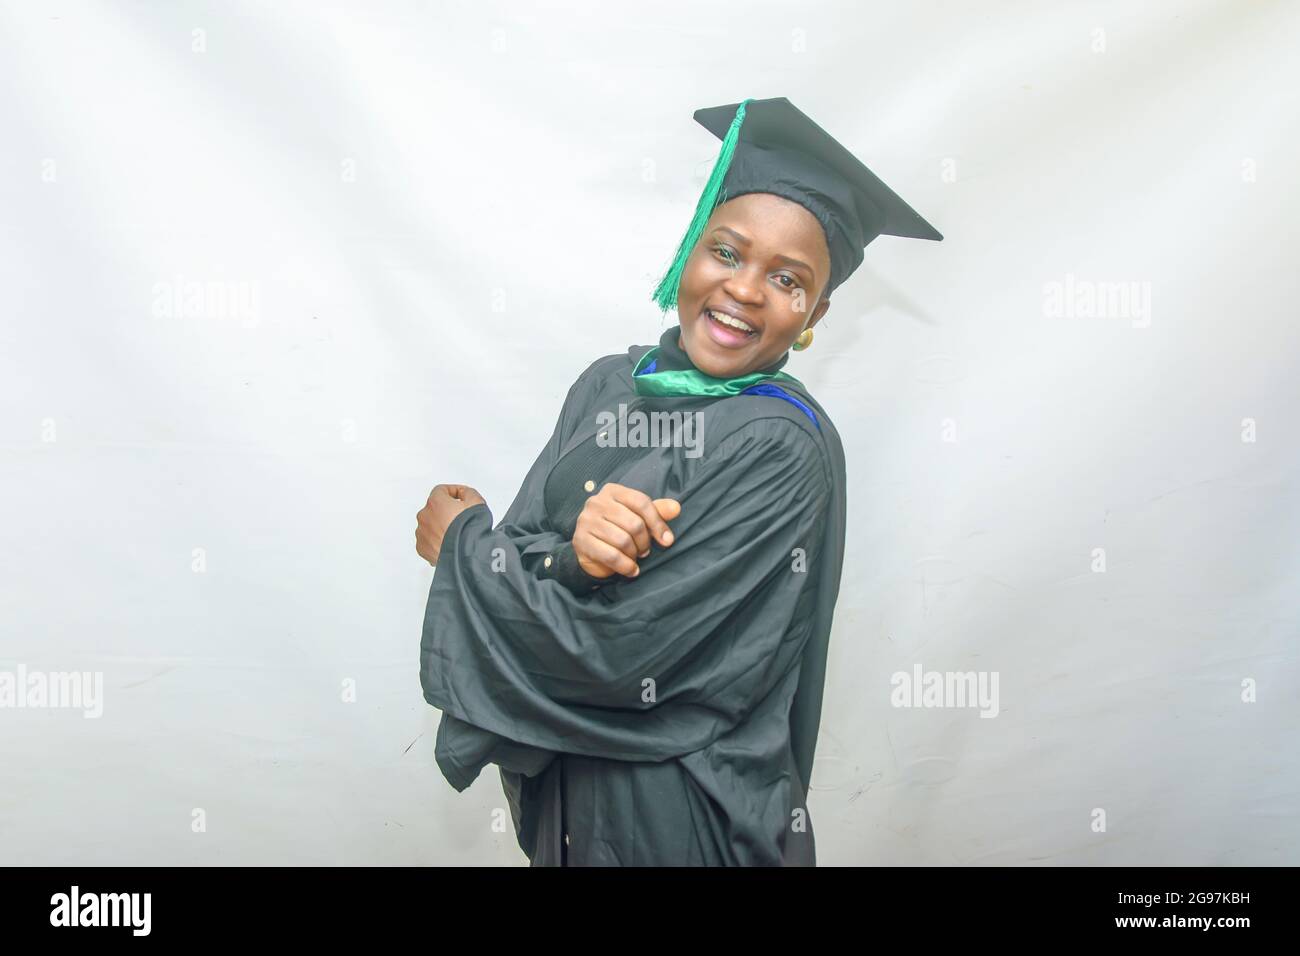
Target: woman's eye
725, 253
791, 283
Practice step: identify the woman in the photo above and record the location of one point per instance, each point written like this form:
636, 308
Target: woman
640, 644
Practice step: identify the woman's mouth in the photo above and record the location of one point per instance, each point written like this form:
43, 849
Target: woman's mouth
726, 330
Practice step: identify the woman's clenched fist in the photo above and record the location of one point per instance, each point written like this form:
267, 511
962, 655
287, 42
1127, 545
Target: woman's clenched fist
445, 502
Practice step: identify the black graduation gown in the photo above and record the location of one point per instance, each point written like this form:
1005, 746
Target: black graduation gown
670, 718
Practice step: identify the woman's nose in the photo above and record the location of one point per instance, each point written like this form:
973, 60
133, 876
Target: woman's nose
745, 286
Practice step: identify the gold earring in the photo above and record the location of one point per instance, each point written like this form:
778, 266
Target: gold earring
803, 341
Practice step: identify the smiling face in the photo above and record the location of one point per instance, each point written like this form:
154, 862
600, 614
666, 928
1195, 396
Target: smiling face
762, 260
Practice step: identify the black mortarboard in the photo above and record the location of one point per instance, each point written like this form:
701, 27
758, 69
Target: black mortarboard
770, 146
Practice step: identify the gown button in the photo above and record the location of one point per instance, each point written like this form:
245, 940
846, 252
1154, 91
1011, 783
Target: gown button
547, 562
590, 485
566, 839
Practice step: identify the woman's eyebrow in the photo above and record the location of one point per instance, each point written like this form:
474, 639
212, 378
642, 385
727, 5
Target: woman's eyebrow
798, 262
737, 236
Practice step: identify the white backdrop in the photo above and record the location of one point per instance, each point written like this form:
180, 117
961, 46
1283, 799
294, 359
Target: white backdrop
273, 271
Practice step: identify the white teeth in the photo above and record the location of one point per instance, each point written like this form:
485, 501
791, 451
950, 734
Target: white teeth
728, 320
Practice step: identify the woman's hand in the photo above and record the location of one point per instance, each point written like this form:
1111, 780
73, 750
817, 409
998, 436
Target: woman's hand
616, 527
445, 502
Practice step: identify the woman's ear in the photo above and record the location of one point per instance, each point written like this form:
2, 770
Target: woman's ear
818, 312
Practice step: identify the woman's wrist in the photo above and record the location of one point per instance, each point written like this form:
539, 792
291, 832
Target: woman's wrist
562, 564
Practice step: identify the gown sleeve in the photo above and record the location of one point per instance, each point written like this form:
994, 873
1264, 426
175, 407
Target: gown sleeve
645, 668
460, 745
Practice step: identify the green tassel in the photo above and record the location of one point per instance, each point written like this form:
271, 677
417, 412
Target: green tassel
665, 294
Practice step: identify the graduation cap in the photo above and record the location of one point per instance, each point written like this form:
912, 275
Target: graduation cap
770, 146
